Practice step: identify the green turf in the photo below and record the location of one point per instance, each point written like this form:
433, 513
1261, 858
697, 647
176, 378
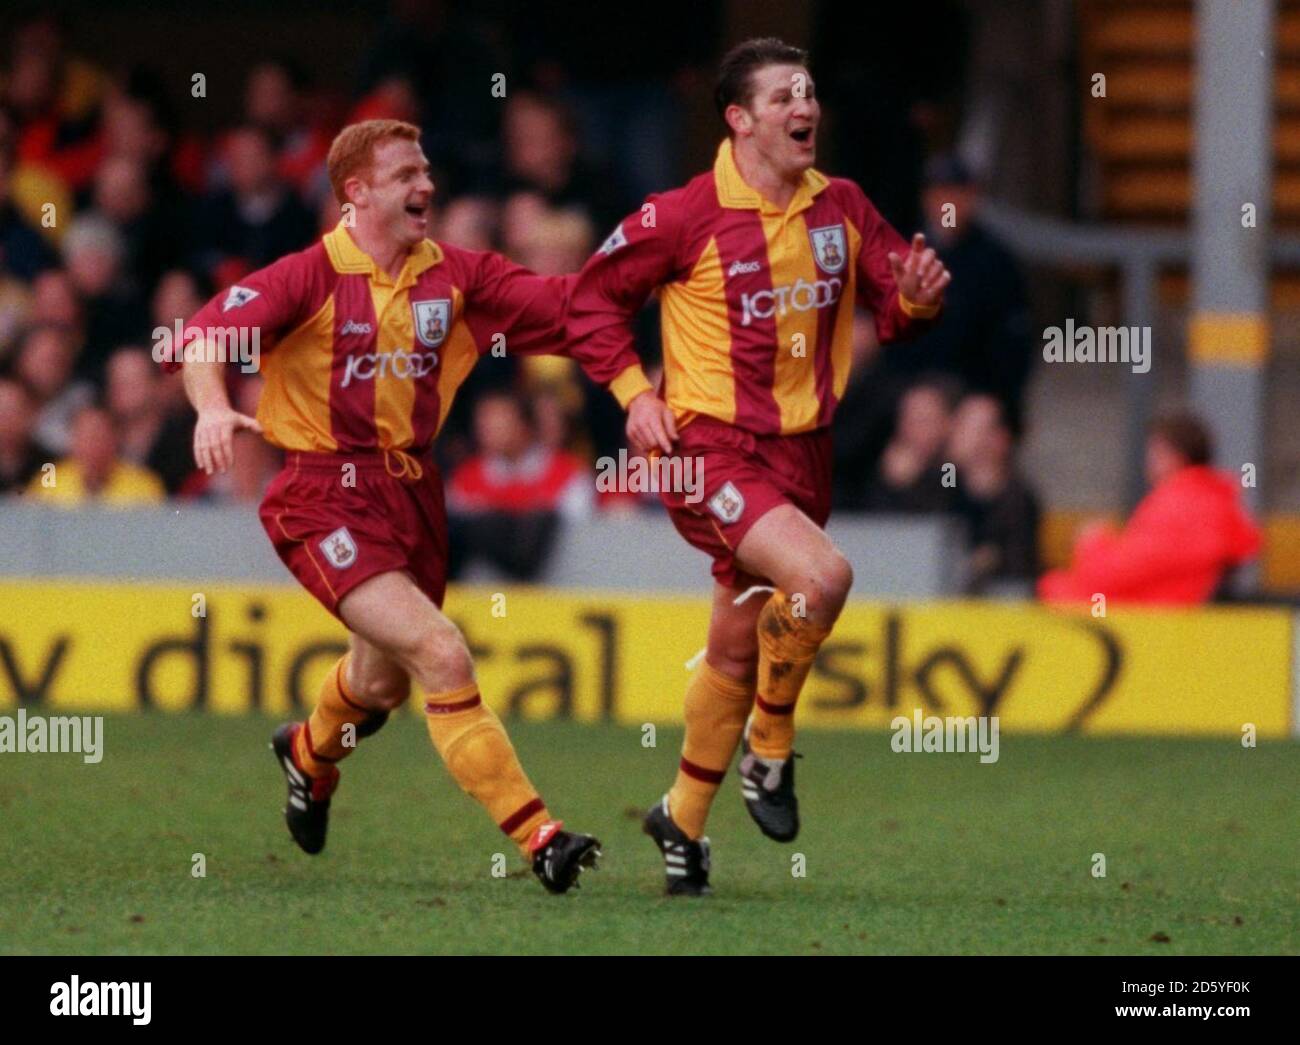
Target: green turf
904, 853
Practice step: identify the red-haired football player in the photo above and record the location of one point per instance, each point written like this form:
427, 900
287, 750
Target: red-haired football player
759, 264
366, 336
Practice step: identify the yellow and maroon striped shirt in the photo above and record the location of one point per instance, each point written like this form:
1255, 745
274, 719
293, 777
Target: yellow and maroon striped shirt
756, 303
355, 360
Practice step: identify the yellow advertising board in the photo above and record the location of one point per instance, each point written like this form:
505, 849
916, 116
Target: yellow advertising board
621, 657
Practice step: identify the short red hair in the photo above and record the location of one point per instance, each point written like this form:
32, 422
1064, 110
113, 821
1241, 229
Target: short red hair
353, 150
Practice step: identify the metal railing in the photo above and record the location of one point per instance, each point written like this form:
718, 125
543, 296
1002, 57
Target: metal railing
1138, 255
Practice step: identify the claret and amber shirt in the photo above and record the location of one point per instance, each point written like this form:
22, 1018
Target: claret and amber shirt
756, 303
354, 360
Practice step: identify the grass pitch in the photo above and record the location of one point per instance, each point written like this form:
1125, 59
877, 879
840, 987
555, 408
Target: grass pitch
904, 853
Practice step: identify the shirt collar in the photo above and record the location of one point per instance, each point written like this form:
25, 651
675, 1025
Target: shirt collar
733, 192
347, 257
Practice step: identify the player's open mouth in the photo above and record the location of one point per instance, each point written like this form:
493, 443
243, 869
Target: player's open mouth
803, 135
417, 210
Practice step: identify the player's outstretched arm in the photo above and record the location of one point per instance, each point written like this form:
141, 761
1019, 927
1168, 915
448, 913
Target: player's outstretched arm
205, 386
534, 310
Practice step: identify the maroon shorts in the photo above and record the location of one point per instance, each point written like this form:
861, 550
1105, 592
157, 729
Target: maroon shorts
333, 536
745, 477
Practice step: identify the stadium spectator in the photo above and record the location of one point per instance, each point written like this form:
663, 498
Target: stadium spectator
55, 97
984, 340
20, 457
139, 124
558, 242
874, 92
93, 471
542, 156
507, 498
44, 367
864, 421
55, 301
513, 470
149, 434
995, 502
254, 221
37, 194
114, 313
446, 55
469, 221
15, 310
554, 413
123, 197
1183, 539
911, 476
521, 212
554, 241
627, 80
392, 99
178, 295
23, 251
276, 100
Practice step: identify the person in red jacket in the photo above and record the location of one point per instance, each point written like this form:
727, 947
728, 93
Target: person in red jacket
1183, 538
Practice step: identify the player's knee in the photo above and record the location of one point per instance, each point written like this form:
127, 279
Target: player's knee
382, 693
735, 656
438, 656
832, 577
839, 577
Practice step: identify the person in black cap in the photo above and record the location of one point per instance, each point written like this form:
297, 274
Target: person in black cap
984, 341
985, 338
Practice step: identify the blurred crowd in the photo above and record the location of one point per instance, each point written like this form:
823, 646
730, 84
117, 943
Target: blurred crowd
118, 217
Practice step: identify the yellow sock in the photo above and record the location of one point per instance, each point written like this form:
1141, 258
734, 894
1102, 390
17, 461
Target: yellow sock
323, 740
787, 646
473, 744
716, 709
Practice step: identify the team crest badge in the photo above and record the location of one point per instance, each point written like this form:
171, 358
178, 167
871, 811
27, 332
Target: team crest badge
829, 247
432, 318
727, 504
340, 549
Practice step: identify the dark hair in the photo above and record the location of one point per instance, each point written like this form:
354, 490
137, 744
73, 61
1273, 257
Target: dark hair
734, 85
1187, 434
522, 403
145, 87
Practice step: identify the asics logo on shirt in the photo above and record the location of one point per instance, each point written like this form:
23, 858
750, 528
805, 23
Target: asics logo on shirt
400, 364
